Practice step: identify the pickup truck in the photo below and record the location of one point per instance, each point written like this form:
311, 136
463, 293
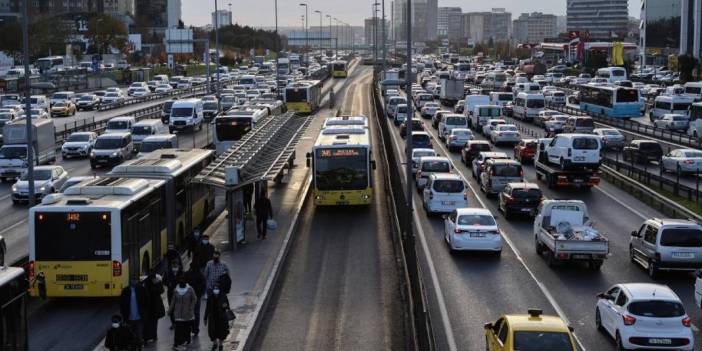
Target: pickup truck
563, 232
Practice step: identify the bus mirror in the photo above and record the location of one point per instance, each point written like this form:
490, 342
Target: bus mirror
373, 164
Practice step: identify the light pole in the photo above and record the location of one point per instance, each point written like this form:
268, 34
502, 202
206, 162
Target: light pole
219, 106
320, 30
330, 31
383, 41
336, 34
307, 31
277, 51
28, 102
410, 114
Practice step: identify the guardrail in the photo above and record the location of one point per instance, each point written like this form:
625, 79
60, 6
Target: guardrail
418, 306
153, 96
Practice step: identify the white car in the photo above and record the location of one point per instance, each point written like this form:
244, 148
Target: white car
112, 98
544, 116
135, 86
429, 109
682, 161
457, 138
555, 97
163, 88
444, 193
419, 153
78, 144
672, 121
505, 134
574, 150
141, 92
491, 124
644, 316
472, 229
47, 180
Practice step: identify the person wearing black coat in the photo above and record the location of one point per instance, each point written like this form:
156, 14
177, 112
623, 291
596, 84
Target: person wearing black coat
134, 307
196, 280
216, 317
264, 211
154, 290
119, 337
203, 253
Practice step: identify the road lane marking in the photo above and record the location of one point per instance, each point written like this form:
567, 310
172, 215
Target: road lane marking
633, 210
13, 226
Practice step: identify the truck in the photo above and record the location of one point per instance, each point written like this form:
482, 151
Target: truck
555, 177
451, 91
563, 232
13, 153
283, 66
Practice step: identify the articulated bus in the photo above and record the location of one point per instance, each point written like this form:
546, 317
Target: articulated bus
342, 167
13, 309
695, 127
303, 96
232, 126
340, 69
359, 121
611, 101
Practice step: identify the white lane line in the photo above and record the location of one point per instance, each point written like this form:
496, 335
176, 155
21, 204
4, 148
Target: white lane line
5, 197
13, 226
633, 210
541, 286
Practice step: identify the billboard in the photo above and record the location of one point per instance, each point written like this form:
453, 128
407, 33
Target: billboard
179, 41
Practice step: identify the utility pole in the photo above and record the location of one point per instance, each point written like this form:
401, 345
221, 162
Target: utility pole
383, 41
28, 103
277, 52
410, 114
320, 31
330, 30
219, 105
336, 34
307, 32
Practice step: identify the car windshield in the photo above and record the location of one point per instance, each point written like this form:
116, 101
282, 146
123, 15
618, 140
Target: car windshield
526, 193
423, 153
476, 220
78, 137
694, 153
507, 128
181, 112
119, 125
462, 133
456, 120
585, 144
108, 143
656, 308
86, 98
13, 153
535, 103
681, 237
610, 132
39, 174
210, 106
584, 122
154, 145
420, 138
507, 170
58, 104
541, 340
650, 146
448, 186
436, 166
141, 130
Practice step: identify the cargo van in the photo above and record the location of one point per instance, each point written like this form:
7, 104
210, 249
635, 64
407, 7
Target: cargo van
500, 98
664, 104
528, 105
120, 124
145, 128
186, 114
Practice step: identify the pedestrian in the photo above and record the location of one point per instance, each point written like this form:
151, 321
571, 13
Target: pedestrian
173, 256
264, 211
173, 274
134, 307
196, 280
216, 316
203, 252
248, 195
154, 289
119, 337
182, 308
214, 270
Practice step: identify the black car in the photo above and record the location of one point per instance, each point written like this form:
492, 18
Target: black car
508, 109
472, 149
88, 102
417, 126
519, 198
642, 151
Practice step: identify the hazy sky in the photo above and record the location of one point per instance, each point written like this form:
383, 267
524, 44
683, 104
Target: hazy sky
261, 12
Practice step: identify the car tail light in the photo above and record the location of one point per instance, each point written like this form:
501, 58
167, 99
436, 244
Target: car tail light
431, 195
521, 172
452, 137
457, 231
493, 172
116, 268
686, 322
510, 200
465, 195
604, 139
658, 256
628, 320
688, 162
30, 269
482, 165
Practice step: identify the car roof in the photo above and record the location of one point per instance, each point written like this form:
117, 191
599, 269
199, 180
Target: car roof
473, 210
492, 153
446, 176
114, 135
123, 118
648, 291
423, 150
674, 221
434, 158
519, 322
82, 133
524, 185
46, 167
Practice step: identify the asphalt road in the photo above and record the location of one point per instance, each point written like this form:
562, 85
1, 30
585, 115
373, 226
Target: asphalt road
470, 289
340, 288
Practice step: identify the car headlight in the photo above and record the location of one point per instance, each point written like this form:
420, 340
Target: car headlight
114, 154
42, 189
84, 147
14, 188
92, 153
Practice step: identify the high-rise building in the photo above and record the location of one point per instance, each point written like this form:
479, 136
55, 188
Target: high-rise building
223, 18
561, 24
442, 20
534, 27
485, 26
369, 30
660, 27
455, 26
424, 19
117, 7
691, 28
603, 19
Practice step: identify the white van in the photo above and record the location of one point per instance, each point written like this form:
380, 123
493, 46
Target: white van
62, 96
450, 121
665, 104
612, 74
526, 88
444, 192
574, 150
186, 114
157, 142
528, 105
693, 90
120, 124
474, 100
501, 98
145, 128
161, 78
40, 101
482, 114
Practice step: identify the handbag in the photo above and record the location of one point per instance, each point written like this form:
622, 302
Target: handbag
229, 314
271, 224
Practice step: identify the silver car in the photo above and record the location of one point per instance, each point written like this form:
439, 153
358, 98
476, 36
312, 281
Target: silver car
682, 161
458, 138
611, 138
498, 173
667, 245
47, 180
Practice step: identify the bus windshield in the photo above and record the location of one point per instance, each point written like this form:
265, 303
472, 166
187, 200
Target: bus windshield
341, 169
154, 145
232, 129
296, 95
72, 236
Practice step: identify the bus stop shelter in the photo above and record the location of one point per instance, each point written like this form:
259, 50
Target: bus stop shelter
260, 156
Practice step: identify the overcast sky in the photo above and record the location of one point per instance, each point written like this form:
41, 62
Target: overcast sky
261, 12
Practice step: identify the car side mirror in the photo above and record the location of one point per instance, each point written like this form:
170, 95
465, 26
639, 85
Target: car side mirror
635, 234
488, 326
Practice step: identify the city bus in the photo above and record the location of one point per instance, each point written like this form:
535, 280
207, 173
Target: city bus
331, 122
91, 239
13, 309
232, 126
695, 127
50, 64
342, 167
611, 101
340, 69
303, 96
191, 203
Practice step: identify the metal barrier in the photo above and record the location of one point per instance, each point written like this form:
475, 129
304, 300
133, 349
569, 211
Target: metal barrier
137, 100
421, 321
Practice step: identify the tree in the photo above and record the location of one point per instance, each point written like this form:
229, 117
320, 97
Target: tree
11, 38
686, 65
595, 60
104, 32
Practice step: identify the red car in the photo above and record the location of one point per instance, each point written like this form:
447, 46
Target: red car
417, 126
525, 150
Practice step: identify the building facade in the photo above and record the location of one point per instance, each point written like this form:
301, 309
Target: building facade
222, 18
455, 27
691, 28
442, 20
534, 27
369, 30
603, 19
424, 19
9, 10
482, 27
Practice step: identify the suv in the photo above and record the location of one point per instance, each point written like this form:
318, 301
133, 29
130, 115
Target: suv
643, 151
444, 193
498, 173
519, 198
667, 245
472, 149
111, 149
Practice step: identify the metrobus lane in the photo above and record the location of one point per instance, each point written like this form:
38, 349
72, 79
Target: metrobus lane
574, 287
467, 290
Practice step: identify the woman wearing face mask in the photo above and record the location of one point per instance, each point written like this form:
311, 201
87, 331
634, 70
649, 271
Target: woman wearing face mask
119, 337
170, 280
216, 316
182, 310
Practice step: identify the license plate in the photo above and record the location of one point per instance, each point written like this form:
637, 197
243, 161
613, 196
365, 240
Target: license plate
526, 209
683, 255
448, 203
578, 180
580, 257
73, 287
342, 202
659, 341
477, 235
102, 161
579, 158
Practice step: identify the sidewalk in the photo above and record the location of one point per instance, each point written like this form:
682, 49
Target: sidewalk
254, 266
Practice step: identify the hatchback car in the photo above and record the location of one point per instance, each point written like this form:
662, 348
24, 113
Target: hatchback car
479, 162
419, 153
682, 161
428, 166
519, 198
498, 173
458, 138
417, 126
667, 245
47, 179
421, 140
531, 331
525, 150
642, 151
444, 193
472, 229
472, 149
505, 134
611, 138
644, 316
63, 109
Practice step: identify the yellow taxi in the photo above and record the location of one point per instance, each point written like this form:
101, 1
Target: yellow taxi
63, 108
529, 332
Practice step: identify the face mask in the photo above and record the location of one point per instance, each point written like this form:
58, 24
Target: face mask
205, 242
175, 269
216, 259
115, 325
215, 291
182, 285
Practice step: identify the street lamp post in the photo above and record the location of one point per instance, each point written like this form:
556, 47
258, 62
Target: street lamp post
336, 34
219, 106
307, 31
383, 41
28, 102
320, 30
330, 30
277, 51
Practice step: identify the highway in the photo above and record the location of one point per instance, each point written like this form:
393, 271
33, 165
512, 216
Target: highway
470, 289
340, 288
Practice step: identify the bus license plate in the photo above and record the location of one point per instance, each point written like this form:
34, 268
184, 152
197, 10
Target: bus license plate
342, 202
73, 287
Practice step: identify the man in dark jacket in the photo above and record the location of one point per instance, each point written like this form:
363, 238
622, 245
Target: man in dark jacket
203, 253
264, 211
154, 289
134, 307
119, 337
196, 279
